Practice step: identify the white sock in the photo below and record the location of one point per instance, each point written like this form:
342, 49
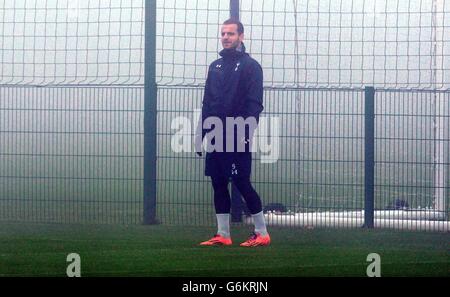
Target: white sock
260, 223
223, 224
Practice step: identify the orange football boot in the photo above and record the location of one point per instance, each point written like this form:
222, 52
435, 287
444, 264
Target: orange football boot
256, 239
217, 240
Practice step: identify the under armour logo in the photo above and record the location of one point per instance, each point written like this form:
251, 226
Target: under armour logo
237, 66
218, 65
233, 169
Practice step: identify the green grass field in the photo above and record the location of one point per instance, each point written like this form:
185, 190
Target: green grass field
110, 250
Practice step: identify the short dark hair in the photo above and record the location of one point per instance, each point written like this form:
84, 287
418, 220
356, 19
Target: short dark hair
231, 21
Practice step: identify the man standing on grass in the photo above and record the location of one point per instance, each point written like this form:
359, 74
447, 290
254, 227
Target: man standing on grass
232, 104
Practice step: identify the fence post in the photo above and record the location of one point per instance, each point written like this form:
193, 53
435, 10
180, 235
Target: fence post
369, 157
150, 109
236, 199
234, 9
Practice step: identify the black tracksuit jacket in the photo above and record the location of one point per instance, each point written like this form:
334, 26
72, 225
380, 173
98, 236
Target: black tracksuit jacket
234, 88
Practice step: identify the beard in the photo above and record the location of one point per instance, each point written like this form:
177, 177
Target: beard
231, 45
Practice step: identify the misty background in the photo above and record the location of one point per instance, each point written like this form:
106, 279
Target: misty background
347, 43
71, 103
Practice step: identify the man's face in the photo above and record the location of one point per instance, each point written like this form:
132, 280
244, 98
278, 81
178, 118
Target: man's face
230, 36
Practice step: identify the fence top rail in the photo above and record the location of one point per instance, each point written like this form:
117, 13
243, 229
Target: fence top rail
349, 89
387, 90
68, 86
267, 88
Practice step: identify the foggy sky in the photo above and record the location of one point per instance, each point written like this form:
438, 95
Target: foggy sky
299, 43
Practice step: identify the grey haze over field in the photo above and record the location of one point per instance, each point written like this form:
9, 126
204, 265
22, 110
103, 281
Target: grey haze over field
385, 43
71, 149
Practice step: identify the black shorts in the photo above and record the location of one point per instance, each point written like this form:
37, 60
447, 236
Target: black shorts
228, 164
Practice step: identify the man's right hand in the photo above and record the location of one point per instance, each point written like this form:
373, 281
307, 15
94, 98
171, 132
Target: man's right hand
199, 154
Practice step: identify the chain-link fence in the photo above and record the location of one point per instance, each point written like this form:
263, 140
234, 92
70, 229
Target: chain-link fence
72, 106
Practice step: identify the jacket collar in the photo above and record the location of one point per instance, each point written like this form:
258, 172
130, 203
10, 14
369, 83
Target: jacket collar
233, 53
